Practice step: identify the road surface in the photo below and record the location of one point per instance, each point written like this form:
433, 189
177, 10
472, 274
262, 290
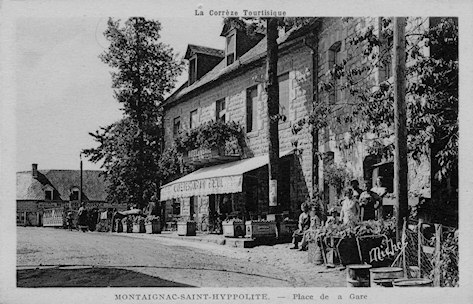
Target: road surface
170, 262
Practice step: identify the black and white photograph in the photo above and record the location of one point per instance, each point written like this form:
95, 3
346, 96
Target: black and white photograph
235, 153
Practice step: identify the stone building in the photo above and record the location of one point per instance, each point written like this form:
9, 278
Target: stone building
38, 190
228, 85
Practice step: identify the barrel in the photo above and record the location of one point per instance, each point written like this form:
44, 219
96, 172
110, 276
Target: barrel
358, 275
384, 276
414, 282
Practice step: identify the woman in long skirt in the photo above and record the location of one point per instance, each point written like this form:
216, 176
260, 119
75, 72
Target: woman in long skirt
82, 218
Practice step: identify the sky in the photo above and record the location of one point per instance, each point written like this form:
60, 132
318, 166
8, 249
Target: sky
64, 90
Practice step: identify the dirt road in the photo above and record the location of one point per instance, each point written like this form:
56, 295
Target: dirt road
167, 261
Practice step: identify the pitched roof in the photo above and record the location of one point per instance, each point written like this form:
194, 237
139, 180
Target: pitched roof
30, 188
221, 69
197, 49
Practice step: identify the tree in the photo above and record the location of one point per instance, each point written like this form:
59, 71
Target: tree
144, 71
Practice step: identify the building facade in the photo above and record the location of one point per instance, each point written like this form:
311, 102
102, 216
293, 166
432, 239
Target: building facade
233, 90
40, 190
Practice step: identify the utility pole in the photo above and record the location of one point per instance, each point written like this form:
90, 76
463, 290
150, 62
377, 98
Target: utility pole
273, 111
400, 129
80, 190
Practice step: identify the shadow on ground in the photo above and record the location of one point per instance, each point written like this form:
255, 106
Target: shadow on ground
90, 277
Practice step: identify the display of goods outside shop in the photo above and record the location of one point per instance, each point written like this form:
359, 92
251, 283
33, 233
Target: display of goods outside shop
138, 224
118, 226
350, 244
233, 228
385, 276
153, 224
413, 282
259, 229
187, 228
153, 228
139, 228
127, 225
358, 275
287, 228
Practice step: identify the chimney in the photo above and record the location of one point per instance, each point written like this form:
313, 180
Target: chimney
34, 170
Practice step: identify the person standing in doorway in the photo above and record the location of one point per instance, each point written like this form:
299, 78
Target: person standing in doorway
380, 192
356, 189
367, 204
350, 214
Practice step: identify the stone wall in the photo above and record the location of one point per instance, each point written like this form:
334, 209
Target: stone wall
338, 30
297, 62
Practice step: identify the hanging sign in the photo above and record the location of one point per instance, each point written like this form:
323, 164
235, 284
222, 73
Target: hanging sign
273, 193
202, 187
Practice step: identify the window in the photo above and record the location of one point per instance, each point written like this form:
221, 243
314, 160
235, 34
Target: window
251, 104
230, 49
48, 195
335, 59
284, 94
194, 120
176, 207
74, 195
192, 70
176, 126
220, 110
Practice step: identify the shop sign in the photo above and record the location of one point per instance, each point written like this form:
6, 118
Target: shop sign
200, 154
378, 254
214, 185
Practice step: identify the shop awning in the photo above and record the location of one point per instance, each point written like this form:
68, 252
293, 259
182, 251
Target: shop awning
219, 179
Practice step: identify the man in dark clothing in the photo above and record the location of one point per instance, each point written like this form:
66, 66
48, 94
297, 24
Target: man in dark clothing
368, 202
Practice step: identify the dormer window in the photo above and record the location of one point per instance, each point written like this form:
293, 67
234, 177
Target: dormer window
74, 196
201, 60
192, 70
238, 41
48, 193
230, 49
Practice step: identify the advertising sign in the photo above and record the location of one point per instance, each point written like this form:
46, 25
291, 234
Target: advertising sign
273, 192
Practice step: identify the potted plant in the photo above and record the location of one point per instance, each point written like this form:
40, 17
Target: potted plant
118, 225
138, 224
127, 224
186, 228
152, 224
233, 228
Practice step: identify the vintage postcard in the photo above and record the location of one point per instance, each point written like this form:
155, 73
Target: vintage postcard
215, 151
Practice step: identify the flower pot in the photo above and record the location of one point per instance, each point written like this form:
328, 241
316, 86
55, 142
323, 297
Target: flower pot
186, 228
233, 228
139, 228
153, 227
128, 228
118, 226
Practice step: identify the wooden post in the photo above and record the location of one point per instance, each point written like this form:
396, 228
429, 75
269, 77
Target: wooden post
419, 247
400, 130
438, 241
404, 245
80, 190
273, 111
